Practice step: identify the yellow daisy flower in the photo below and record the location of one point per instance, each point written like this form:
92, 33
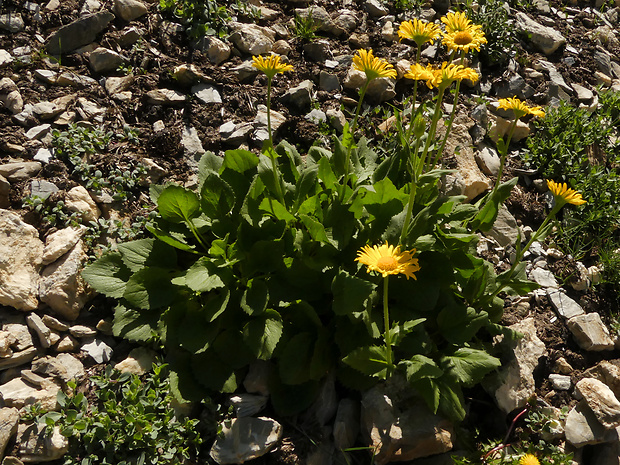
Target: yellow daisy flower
418, 31
529, 459
456, 22
387, 259
372, 66
270, 65
448, 73
417, 72
469, 39
520, 108
563, 194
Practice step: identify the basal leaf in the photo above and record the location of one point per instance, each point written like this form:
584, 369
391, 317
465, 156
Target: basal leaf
487, 215
150, 288
202, 276
370, 360
217, 198
240, 160
134, 325
419, 366
177, 204
108, 275
213, 373
275, 208
468, 365
262, 333
326, 174
147, 252
296, 357
255, 297
307, 182
350, 293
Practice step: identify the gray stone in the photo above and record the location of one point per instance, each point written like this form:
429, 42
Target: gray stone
206, 93
5, 57
46, 75
324, 407
583, 428
90, 7
515, 87
5, 190
564, 305
79, 200
103, 59
129, 10
60, 242
61, 285
603, 62
375, 9
187, 75
505, 229
554, 75
9, 418
590, 332
98, 350
329, 82
81, 331
345, 22
515, 383
260, 121
16, 326
488, 160
560, 382
245, 439
42, 189
256, 381
601, 400
78, 81
166, 97
232, 133
12, 22
299, 96
20, 171
346, 424
247, 405
244, 71
547, 39
89, 110
583, 94
140, 361
336, 119
543, 277
43, 155
55, 324
319, 15
80, 32
192, 146
6, 341
114, 85
47, 110
32, 378
35, 323
19, 358
67, 343
317, 50
251, 38
17, 393
21, 250
36, 444
217, 50
281, 47
316, 116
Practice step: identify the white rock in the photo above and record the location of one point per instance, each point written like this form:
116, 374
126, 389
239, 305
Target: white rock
129, 10
544, 277
103, 59
488, 160
590, 332
43, 155
579, 281
583, 428
251, 38
601, 401
139, 361
560, 382
35, 322
89, 110
81, 331
5, 57
17, 393
12, 22
547, 39
62, 286
60, 242
98, 350
564, 305
37, 445
206, 93
20, 260
245, 439
165, 97
79, 200
9, 418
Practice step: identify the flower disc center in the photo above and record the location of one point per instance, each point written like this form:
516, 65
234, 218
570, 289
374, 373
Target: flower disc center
463, 38
387, 263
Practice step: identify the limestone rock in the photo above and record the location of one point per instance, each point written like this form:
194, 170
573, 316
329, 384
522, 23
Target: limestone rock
206, 93
115, 85
20, 260
62, 286
583, 428
515, 384
544, 277
590, 332
20, 171
165, 97
12, 22
79, 200
217, 50
139, 361
43, 332
37, 445
17, 393
98, 350
246, 439
60, 242
9, 418
601, 401
547, 39
505, 230
251, 38
299, 96
80, 32
564, 305
129, 10
103, 59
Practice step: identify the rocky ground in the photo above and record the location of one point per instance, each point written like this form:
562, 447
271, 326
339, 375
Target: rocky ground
154, 100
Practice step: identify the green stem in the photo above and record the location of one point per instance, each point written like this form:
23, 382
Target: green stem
351, 142
269, 112
503, 156
272, 154
386, 326
448, 127
415, 95
431, 132
194, 231
412, 193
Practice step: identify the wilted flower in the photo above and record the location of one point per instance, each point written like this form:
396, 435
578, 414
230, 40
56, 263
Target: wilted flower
418, 31
529, 459
372, 66
563, 194
387, 259
270, 65
520, 108
448, 73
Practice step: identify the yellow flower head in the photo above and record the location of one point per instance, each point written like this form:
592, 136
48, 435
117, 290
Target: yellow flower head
448, 73
456, 22
372, 66
418, 31
519, 108
387, 259
563, 194
417, 72
529, 459
468, 39
270, 65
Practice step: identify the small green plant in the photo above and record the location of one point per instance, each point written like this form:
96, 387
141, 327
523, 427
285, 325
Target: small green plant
201, 17
409, 4
132, 421
306, 26
245, 8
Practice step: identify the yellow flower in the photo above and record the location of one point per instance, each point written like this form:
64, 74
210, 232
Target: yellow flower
448, 73
373, 67
563, 194
469, 39
519, 108
418, 31
529, 459
387, 259
417, 72
270, 65
456, 22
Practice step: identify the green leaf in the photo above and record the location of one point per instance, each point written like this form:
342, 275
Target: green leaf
419, 366
350, 293
134, 325
240, 160
275, 208
216, 304
176, 239
209, 163
400, 330
217, 198
487, 215
316, 229
150, 288
339, 158
326, 174
459, 324
202, 276
307, 182
468, 365
262, 333
108, 275
147, 252
370, 360
255, 297
177, 204
294, 363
